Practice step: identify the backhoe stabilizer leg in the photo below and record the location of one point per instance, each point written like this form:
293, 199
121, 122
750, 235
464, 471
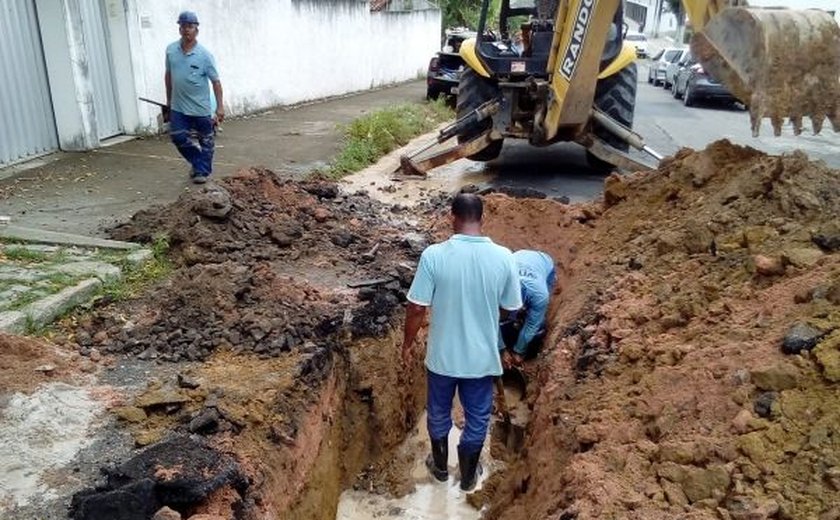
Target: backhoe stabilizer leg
408, 164
413, 168
622, 132
610, 155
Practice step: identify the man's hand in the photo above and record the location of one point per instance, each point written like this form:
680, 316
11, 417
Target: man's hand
414, 315
511, 360
507, 359
220, 115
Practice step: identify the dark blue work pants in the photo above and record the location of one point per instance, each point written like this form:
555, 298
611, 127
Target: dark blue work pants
476, 396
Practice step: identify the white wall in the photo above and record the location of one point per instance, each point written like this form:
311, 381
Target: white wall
71, 89
828, 5
277, 52
667, 22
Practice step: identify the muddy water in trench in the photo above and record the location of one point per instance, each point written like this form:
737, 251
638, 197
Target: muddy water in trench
433, 500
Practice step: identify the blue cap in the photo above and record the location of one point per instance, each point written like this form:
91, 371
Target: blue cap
187, 17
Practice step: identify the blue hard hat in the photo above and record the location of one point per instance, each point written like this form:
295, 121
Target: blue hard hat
187, 17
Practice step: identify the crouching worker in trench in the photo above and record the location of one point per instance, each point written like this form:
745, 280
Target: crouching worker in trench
465, 281
524, 330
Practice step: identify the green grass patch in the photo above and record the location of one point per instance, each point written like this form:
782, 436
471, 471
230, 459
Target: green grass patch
370, 137
137, 278
24, 255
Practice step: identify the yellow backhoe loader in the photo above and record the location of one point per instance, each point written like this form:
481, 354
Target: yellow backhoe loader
559, 70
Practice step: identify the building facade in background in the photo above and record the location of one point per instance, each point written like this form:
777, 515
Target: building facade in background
73, 70
642, 13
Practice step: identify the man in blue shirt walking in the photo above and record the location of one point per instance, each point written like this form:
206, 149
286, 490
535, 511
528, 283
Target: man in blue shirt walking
536, 277
189, 66
465, 281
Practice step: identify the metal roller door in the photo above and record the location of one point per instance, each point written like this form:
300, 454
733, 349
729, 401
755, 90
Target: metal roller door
27, 123
101, 72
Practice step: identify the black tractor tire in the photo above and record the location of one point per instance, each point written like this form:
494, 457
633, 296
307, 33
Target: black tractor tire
432, 93
616, 96
474, 91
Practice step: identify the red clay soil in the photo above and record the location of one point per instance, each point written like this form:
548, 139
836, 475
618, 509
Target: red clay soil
26, 363
663, 391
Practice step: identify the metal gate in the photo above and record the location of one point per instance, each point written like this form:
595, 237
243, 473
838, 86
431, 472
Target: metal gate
27, 122
98, 49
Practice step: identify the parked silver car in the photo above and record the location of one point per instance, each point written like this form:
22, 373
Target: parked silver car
659, 62
673, 67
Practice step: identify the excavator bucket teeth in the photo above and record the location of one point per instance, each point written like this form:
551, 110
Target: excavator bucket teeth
781, 63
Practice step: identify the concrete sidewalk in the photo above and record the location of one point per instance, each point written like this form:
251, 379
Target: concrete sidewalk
84, 193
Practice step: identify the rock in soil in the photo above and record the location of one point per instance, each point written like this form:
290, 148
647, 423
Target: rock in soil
801, 337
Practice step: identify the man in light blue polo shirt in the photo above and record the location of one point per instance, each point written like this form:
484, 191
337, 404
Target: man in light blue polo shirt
465, 280
524, 330
189, 67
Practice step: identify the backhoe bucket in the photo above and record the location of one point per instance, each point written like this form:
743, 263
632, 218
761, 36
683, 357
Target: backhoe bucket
781, 63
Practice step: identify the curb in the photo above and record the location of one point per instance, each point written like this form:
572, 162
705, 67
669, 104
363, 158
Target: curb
41, 236
13, 322
45, 310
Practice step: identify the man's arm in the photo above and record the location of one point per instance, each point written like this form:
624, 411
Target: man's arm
167, 80
534, 319
414, 316
220, 107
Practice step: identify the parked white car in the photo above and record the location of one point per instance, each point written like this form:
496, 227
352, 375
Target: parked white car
674, 67
639, 41
659, 63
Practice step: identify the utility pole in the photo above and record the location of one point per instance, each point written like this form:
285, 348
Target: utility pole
657, 17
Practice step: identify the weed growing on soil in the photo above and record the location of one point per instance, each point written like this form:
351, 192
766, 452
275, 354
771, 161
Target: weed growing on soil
139, 277
22, 254
370, 137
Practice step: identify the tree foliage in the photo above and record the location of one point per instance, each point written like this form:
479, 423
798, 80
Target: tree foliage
466, 13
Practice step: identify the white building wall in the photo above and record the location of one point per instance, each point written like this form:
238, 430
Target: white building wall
278, 52
669, 21
826, 5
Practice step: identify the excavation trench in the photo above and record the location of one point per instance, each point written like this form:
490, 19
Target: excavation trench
285, 311
662, 389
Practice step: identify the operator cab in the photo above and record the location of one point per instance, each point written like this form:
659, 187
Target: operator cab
521, 43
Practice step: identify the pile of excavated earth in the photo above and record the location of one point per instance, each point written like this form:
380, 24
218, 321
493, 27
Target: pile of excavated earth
691, 369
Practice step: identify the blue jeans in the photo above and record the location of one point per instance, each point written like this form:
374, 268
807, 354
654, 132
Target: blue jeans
198, 154
476, 396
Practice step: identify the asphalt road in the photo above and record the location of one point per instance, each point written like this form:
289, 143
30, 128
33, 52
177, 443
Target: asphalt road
667, 126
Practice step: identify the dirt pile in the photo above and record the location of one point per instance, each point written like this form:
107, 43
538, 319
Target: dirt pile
260, 264
664, 390
290, 296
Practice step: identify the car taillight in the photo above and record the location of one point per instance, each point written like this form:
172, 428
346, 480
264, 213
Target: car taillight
434, 65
